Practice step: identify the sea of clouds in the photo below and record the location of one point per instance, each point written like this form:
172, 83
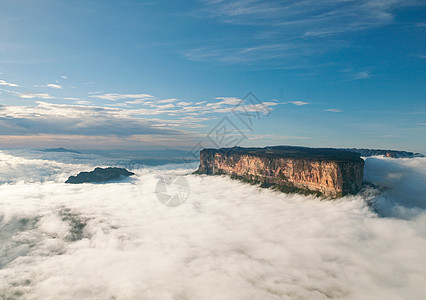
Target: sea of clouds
229, 240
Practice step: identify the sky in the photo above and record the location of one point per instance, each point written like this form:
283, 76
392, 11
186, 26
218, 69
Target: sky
212, 73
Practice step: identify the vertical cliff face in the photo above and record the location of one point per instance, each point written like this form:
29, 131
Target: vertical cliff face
323, 171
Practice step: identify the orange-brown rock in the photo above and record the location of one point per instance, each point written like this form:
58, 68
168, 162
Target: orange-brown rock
330, 172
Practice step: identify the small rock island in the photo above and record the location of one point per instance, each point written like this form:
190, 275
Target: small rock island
100, 175
321, 171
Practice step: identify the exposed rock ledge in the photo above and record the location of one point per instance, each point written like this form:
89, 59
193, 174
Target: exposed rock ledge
100, 175
323, 171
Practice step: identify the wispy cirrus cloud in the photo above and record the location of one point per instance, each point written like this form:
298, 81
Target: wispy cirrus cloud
360, 75
336, 110
299, 103
35, 95
28, 95
167, 100
183, 103
317, 15
83, 102
227, 101
318, 33
309, 27
50, 85
228, 53
115, 97
5, 83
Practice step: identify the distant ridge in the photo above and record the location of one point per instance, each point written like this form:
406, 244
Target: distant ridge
387, 153
59, 150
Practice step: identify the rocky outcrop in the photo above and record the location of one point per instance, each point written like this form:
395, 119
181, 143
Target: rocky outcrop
387, 153
330, 172
100, 175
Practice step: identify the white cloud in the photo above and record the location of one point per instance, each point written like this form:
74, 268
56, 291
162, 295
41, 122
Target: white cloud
336, 110
299, 103
182, 103
360, 75
151, 105
167, 100
50, 85
5, 83
83, 102
229, 100
137, 101
115, 97
35, 95
165, 106
229, 239
64, 77
405, 181
48, 118
117, 118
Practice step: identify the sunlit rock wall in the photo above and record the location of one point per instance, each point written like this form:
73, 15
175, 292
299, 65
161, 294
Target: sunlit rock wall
332, 178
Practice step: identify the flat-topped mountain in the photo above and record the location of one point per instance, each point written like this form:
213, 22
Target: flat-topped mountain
100, 175
325, 171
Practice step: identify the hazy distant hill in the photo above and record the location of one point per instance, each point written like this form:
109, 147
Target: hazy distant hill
59, 150
387, 153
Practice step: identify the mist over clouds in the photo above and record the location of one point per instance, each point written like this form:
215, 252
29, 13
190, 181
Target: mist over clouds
229, 240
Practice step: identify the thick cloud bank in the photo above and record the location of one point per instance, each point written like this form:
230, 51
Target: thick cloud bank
229, 240
404, 183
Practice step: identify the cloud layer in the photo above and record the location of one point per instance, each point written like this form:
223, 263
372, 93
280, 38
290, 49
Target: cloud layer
229, 240
48, 118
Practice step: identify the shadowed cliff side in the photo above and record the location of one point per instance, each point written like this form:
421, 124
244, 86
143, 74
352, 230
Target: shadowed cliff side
322, 171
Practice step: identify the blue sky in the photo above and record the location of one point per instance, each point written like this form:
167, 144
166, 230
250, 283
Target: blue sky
164, 74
